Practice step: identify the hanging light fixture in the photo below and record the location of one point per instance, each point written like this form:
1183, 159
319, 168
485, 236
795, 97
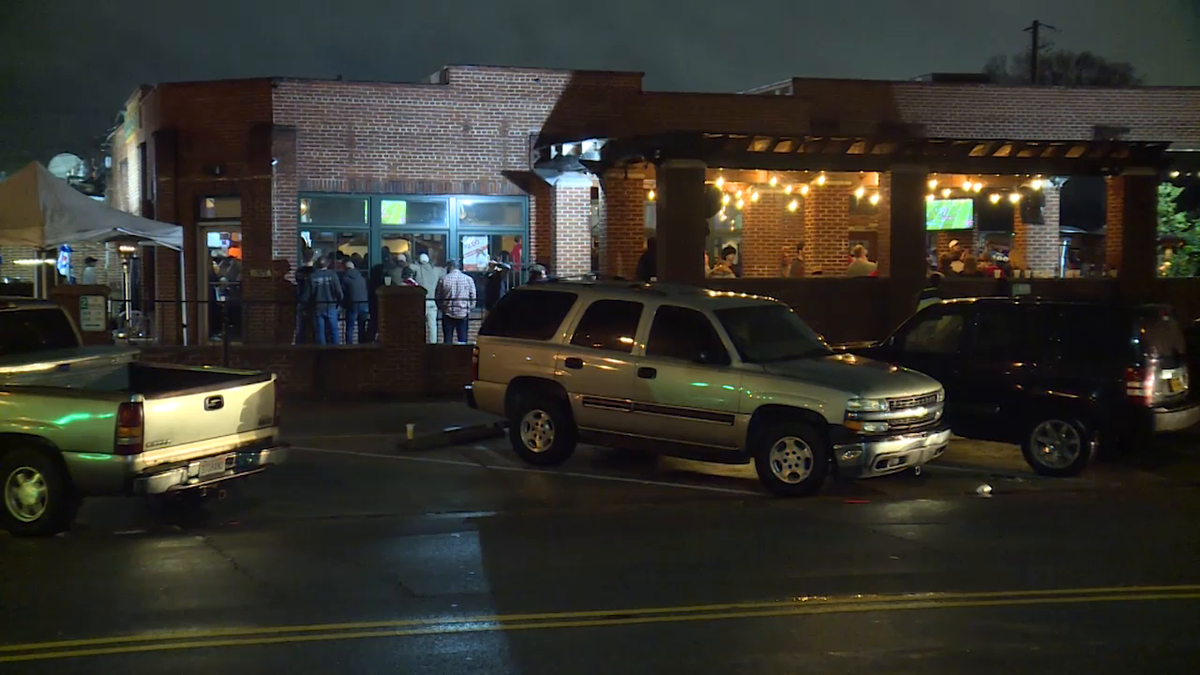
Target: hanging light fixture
793, 205
1014, 197
821, 179
740, 203
774, 181
976, 187
929, 197
945, 192
860, 192
651, 195
787, 189
720, 182
932, 183
804, 189
874, 198
754, 196
725, 199
994, 198
1036, 183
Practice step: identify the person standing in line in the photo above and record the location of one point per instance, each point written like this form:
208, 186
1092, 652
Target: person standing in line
304, 306
325, 296
795, 269
537, 274
428, 275
647, 264
456, 298
354, 287
89, 276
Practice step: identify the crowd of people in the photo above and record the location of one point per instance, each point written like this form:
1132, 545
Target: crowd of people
332, 287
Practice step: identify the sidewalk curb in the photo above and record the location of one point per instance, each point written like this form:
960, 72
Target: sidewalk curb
451, 436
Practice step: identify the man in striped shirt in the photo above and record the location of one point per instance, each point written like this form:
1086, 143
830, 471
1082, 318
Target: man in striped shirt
456, 298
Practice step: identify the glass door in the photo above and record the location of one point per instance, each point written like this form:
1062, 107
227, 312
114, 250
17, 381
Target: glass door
220, 280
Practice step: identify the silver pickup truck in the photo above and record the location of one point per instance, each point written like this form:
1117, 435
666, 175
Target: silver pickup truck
81, 422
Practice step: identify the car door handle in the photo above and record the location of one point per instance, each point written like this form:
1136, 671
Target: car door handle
574, 363
647, 373
214, 403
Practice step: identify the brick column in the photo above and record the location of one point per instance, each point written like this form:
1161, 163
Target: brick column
1139, 234
571, 238
769, 233
168, 326
1114, 221
541, 223
681, 226
402, 337
285, 205
906, 241
880, 221
1039, 243
826, 229
624, 222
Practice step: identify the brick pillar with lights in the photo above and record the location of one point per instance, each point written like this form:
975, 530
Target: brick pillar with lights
571, 238
769, 233
906, 241
682, 224
1114, 221
1038, 243
624, 221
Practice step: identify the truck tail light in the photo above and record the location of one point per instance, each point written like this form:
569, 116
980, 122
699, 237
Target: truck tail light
130, 423
475, 363
275, 395
1139, 384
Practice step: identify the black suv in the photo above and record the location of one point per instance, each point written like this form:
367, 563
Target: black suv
1056, 377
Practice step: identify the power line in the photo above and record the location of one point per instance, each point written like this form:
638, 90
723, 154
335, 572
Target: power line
1035, 51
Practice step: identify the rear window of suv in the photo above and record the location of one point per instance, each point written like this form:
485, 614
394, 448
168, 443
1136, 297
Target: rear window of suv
1161, 336
528, 315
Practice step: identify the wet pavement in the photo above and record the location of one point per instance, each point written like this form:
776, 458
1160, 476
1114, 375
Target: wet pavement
356, 558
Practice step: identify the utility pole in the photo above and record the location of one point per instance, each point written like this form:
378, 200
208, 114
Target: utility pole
1035, 50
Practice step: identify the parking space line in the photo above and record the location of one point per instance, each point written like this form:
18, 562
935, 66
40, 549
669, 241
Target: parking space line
546, 472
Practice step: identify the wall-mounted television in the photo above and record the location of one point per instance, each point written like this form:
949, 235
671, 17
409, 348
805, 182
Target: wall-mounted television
949, 214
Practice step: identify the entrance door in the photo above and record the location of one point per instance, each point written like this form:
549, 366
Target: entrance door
220, 279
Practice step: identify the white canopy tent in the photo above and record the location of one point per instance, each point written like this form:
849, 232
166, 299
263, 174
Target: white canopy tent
42, 211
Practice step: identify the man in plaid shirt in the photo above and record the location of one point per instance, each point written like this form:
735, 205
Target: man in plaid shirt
456, 298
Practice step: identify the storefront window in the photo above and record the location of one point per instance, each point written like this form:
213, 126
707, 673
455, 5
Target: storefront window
490, 213
412, 212
334, 210
344, 245
479, 249
220, 208
412, 245
725, 233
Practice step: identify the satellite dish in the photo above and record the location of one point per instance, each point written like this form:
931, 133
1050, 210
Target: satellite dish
68, 166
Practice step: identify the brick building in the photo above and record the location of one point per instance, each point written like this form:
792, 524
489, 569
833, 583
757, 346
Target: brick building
576, 168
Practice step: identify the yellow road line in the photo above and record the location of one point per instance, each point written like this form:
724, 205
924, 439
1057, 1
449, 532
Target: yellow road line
804, 601
502, 626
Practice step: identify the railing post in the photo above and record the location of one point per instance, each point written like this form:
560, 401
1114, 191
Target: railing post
225, 333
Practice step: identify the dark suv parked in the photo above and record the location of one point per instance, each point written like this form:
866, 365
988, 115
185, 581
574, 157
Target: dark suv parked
1057, 377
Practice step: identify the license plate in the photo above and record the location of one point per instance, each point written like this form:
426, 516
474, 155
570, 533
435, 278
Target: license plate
211, 465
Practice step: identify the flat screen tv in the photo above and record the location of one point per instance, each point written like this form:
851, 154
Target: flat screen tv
950, 214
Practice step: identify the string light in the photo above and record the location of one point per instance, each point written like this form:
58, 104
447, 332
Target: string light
945, 192
720, 182
994, 198
787, 189
966, 186
976, 187
1014, 197
874, 198
740, 203
1036, 184
1174, 174
754, 196
651, 195
725, 198
932, 184
929, 197
793, 205
821, 179
860, 192
774, 181
739, 194
804, 189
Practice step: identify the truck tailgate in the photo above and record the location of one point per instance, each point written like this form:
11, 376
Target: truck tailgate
183, 422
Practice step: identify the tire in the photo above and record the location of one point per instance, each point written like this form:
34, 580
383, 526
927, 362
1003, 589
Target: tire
792, 459
36, 497
1057, 446
541, 430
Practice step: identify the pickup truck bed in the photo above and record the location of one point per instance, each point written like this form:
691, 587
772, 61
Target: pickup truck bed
111, 425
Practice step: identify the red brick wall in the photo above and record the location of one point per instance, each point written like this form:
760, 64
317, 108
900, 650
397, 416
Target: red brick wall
769, 232
1114, 221
624, 224
571, 201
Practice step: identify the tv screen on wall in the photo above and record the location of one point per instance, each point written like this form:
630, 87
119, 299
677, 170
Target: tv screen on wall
949, 214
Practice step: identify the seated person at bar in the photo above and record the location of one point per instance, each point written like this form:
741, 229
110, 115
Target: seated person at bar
719, 271
729, 254
860, 266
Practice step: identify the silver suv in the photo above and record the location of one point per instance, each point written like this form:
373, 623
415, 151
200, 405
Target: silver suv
710, 375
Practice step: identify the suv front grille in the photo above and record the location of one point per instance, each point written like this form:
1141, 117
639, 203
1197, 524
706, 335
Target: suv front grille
909, 423
912, 401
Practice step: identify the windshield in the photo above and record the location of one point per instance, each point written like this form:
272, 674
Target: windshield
766, 333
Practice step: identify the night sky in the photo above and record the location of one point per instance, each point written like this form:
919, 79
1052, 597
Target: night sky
66, 66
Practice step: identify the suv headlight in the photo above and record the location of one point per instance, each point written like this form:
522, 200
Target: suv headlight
867, 405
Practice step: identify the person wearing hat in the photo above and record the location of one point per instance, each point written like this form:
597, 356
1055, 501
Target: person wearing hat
495, 283
952, 254
88, 277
